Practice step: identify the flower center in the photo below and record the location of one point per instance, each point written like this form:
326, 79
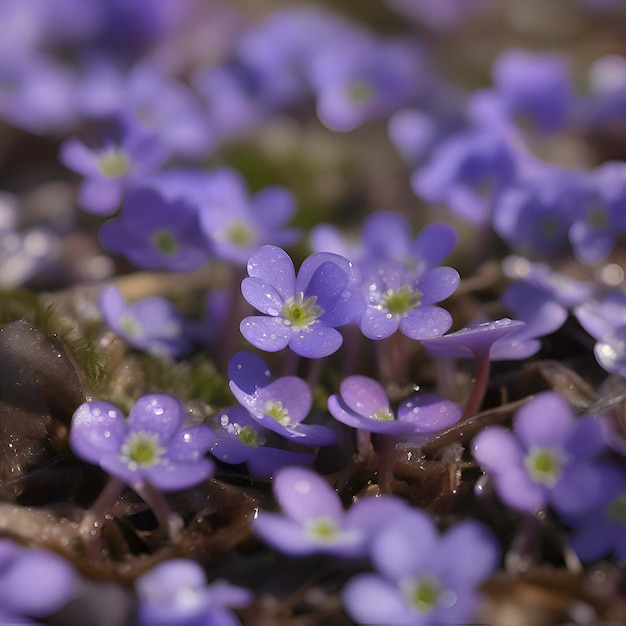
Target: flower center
322, 529
113, 163
360, 92
165, 242
240, 234
301, 312
400, 301
383, 414
423, 593
277, 412
544, 465
248, 437
141, 449
130, 325
616, 511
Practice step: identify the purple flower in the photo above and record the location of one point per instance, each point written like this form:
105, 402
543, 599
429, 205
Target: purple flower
475, 342
422, 577
176, 592
534, 89
364, 404
603, 214
602, 529
239, 438
358, 78
235, 224
279, 405
467, 173
153, 323
561, 288
152, 446
313, 520
109, 170
397, 300
34, 583
541, 316
36, 93
168, 109
387, 237
156, 233
300, 312
536, 215
546, 459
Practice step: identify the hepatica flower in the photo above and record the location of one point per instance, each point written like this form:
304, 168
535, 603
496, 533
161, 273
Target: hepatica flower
300, 312
155, 232
313, 520
546, 459
34, 583
236, 224
397, 300
239, 438
279, 405
153, 323
152, 446
109, 169
176, 592
422, 577
364, 404
602, 528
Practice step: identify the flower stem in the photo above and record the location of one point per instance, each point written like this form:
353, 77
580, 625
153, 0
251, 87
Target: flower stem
169, 522
479, 386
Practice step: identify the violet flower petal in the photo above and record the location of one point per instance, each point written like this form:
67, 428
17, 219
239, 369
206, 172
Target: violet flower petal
316, 343
340, 411
248, 371
580, 488
191, 443
497, 449
175, 476
429, 412
519, 492
264, 462
157, 413
378, 324
364, 395
291, 392
98, 428
266, 333
262, 296
274, 266
101, 195
425, 322
395, 551
469, 552
36, 583
438, 284
283, 534
434, 243
545, 421
370, 599
304, 495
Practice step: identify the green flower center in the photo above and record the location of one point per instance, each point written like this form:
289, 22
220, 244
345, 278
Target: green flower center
165, 242
277, 412
400, 301
360, 92
322, 529
383, 414
240, 234
141, 449
616, 511
248, 436
422, 593
544, 465
130, 325
301, 312
113, 163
